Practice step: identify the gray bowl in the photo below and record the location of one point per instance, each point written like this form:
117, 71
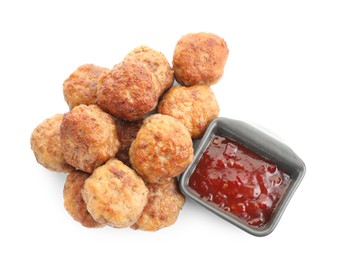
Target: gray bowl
260, 143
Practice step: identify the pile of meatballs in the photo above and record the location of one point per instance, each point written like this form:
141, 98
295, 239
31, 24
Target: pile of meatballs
129, 133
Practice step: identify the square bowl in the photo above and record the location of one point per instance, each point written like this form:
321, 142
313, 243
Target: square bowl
259, 143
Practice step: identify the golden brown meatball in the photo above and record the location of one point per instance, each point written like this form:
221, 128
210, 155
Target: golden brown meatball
128, 91
162, 149
164, 204
194, 106
46, 144
126, 132
115, 195
156, 62
81, 86
199, 59
88, 137
73, 201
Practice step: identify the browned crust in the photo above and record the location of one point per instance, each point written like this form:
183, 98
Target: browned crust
164, 204
115, 195
157, 64
127, 132
73, 201
199, 59
46, 144
128, 91
88, 137
81, 86
194, 106
162, 149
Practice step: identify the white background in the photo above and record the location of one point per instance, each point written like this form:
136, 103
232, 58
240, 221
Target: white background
281, 74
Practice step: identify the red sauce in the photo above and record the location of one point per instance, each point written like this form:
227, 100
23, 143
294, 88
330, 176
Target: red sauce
239, 181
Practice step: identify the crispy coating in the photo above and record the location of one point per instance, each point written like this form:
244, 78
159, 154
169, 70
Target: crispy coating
162, 149
115, 195
73, 201
156, 62
46, 144
128, 91
164, 204
81, 86
194, 106
126, 132
199, 59
88, 137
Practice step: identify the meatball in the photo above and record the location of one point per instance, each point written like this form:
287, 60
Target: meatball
156, 62
194, 106
199, 59
164, 204
128, 91
81, 86
88, 137
115, 195
73, 201
162, 149
46, 144
126, 132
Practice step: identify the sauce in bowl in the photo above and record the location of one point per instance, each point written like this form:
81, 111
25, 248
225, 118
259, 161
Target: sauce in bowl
239, 181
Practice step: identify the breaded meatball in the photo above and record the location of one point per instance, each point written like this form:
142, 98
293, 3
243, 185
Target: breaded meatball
115, 195
73, 201
164, 204
162, 149
194, 106
46, 144
156, 62
199, 59
128, 91
126, 132
81, 86
88, 137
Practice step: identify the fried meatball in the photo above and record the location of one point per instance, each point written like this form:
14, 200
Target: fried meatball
80, 86
126, 132
156, 62
194, 106
115, 195
162, 149
88, 137
128, 91
73, 201
164, 204
199, 59
46, 144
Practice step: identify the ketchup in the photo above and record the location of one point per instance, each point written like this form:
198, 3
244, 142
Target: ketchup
239, 181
